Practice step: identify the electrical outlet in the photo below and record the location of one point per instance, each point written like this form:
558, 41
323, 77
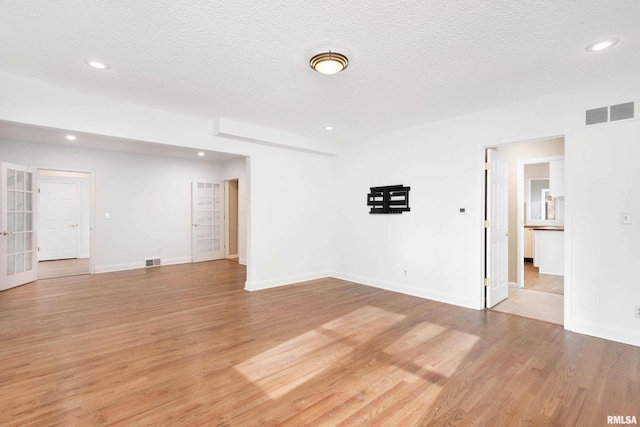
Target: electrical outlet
625, 217
637, 311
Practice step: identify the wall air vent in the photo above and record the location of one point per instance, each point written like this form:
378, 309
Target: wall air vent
609, 114
622, 111
597, 116
152, 262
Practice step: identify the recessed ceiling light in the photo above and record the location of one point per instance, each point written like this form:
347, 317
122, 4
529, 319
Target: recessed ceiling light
96, 64
201, 153
328, 127
71, 137
601, 45
329, 62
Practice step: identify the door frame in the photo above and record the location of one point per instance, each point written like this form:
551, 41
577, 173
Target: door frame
569, 142
521, 214
91, 174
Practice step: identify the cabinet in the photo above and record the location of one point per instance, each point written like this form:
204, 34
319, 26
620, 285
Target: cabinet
529, 243
549, 251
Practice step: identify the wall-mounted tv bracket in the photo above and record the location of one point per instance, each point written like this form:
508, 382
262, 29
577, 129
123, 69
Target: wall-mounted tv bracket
392, 199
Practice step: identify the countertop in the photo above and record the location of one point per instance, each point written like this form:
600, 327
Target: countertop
545, 227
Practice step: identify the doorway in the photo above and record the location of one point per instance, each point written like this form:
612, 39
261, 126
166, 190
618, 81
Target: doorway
535, 290
231, 222
64, 223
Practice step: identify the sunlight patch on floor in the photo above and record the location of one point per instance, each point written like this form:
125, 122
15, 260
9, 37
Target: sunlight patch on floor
283, 368
430, 348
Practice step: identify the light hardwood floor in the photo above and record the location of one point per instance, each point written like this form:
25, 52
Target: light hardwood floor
186, 345
63, 268
535, 281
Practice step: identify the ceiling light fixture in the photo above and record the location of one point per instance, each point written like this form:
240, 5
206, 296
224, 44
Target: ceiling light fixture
328, 127
329, 62
96, 64
601, 45
71, 137
201, 153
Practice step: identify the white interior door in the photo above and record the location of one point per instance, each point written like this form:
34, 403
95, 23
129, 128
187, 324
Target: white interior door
207, 221
18, 261
497, 229
57, 220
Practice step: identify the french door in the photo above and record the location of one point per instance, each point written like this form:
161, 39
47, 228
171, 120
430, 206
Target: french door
207, 237
18, 249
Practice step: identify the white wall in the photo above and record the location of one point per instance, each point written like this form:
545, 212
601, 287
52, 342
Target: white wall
148, 198
289, 218
284, 214
442, 250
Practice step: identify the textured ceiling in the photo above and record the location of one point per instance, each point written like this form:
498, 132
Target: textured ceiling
411, 62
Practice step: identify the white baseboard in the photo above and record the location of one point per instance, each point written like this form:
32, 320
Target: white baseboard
135, 265
283, 281
626, 336
179, 260
394, 287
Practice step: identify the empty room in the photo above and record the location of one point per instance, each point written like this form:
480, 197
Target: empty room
310, 213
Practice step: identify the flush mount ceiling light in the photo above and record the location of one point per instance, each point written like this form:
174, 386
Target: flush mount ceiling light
329, 62
601, 45
71, 137
328, 127
201, 153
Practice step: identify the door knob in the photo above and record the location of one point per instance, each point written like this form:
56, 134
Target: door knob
7, 233
508, 234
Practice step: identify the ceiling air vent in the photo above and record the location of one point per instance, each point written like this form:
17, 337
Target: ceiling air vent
597, 115
622, 111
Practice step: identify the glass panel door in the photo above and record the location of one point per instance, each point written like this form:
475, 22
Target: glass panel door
17, 243
207, 234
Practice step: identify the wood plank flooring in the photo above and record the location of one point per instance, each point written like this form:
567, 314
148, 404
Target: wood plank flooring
535, 281
63, 268
186, 345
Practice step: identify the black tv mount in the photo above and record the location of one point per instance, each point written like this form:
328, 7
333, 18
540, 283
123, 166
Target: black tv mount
392, 199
